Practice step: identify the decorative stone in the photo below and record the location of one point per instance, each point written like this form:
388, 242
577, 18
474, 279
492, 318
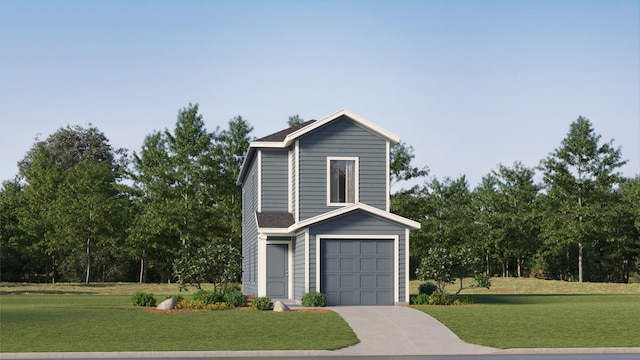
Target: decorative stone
279, 306
168, 304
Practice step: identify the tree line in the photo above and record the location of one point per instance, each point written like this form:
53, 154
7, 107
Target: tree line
82, 211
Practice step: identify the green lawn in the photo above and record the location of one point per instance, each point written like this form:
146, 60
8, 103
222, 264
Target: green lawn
545, 321
63, 323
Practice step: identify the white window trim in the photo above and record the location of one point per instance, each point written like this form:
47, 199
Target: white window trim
356, 179
396, 263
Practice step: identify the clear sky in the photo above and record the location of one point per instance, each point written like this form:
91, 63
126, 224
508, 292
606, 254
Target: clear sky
469, 84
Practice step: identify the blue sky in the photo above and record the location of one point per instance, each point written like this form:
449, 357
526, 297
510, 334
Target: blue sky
469, 84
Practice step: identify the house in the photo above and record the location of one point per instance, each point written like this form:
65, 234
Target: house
316, 215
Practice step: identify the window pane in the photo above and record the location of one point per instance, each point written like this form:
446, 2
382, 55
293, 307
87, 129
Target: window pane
342, 181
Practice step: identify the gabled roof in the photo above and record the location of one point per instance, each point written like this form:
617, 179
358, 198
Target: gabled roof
282, 135
413, 225
286, 137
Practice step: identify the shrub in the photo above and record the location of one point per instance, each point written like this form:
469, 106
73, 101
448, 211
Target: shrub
420, 299
176, 298
235, 298
262, 303
427, 288
314, 299
143, 299
439, 299
464, 300
199, 305
208, 297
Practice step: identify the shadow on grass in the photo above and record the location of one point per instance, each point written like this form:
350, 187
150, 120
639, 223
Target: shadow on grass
7, 288
532, 299
45, 292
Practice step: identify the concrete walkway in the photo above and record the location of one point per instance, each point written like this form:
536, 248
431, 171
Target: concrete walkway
401, 330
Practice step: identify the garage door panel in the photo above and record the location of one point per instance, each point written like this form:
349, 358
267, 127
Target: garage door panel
346, 281
383, 281
367, 247
346, 265
384, 265
367, 264
368, 281
361, 272
384, 297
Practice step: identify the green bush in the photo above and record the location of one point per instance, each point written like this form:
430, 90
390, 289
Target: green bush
314, 299
439, 299
464, 300
235, 298
176, 298
199, 305
427, 288
143, 299
420, 299
208, 297
262, 303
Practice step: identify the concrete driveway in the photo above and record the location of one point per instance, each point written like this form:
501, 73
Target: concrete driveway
401, 330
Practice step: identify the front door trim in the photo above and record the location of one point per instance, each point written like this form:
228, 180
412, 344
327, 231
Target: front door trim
262, 265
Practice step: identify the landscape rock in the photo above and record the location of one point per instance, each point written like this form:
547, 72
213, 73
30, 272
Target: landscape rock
279, 306
168, 304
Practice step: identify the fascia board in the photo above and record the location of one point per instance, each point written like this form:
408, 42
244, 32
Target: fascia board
274, 231
414, 225
357, 118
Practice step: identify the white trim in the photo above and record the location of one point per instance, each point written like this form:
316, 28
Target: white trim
406, 265
289, 139
353, 116
296, 216
262, 285
414, 225
306, 261
396, 263
356, 161
262, 266
387, 175
259, 180
290, 182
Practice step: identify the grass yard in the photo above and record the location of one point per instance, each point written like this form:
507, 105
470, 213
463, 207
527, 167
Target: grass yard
527, 313
61, 323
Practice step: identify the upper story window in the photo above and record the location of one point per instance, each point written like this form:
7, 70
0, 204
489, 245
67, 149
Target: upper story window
342, 180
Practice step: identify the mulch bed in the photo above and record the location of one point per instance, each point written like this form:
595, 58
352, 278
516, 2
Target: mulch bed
157, 311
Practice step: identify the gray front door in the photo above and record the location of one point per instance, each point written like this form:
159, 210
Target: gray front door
357, 272
278, 271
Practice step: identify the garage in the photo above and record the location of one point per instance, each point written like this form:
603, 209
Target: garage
357, 271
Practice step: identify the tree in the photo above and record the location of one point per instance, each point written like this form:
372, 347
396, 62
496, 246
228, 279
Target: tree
579, 178
15, 257
212, 263
400, 167
442, 244
625, 232
516, 193
69, 175
229, 153
294, 120
190, 149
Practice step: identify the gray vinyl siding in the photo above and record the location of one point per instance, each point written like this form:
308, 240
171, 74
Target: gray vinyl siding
250, 232
298, 266
359, 223
342, 137
275, 180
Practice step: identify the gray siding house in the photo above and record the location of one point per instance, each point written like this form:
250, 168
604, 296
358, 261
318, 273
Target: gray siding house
316, 215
